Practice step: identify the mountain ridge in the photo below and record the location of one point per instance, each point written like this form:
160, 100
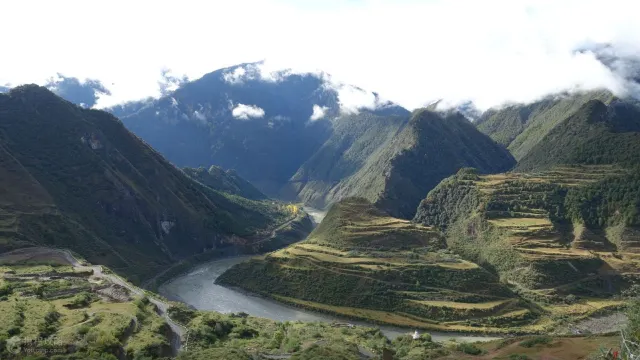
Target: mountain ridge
102, 192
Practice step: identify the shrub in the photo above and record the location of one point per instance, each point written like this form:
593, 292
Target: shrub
469, 349
538, 340
81, 300
570, 299
6, 290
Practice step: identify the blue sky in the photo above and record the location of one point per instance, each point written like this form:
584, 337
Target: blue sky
409, 51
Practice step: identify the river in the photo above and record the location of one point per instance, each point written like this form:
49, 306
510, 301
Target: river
198, 289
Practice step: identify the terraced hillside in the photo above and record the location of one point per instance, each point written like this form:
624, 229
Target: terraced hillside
75, 312
522, 226
361, 263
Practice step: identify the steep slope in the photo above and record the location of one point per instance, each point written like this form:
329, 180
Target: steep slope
520, 127
354, 138
429, 148
77, 179
227, 181
569, 230
595, 134
265, 126
361, 263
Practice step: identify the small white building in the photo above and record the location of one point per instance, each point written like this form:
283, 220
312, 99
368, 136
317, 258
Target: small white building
416, 335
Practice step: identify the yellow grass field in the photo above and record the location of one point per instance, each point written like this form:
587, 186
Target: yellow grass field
460, 305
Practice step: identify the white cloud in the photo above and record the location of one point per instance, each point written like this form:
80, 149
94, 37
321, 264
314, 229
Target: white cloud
200, 116
245, 112
236, 76
490, 52
319, 112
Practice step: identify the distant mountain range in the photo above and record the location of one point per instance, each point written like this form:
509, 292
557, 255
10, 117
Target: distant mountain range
301, 137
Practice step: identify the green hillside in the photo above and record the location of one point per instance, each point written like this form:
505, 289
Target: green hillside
595, 134
520, 127
227, 181
429, 148
353, 140
536, 232
77, 179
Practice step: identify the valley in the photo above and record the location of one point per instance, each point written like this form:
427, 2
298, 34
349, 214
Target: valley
276, 225
198, 289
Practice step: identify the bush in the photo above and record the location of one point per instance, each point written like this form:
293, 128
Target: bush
84, 329
469, 349
6, 290
538, 340
518, 357
50, 324
81, 300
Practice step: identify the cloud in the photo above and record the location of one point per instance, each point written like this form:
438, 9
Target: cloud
245, 112
169, 82
319, 112
489, 52
237, 76
200, 116
81, 92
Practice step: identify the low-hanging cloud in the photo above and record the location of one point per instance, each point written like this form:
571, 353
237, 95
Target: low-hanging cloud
488, 52
246, 112
319, 112
169, 82
81, 92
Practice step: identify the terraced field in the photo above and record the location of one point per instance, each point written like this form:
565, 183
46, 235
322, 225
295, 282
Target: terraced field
75, 312
490, 253
363, 264
523, 205
527, 233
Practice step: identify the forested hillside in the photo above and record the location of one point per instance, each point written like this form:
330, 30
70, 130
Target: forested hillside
77, 179
429, 148
520, 127
596, 134
353, 141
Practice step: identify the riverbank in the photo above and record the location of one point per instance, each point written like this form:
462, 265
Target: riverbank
198, 290
291, 231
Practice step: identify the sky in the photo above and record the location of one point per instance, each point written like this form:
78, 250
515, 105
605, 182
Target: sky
411, 52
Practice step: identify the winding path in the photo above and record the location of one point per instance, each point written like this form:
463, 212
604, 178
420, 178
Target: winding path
179, 331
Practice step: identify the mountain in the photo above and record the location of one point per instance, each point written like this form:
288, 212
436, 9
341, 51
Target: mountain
78, 179
520, 127
353, 140
362, 263
595, 134
430, 147
227, 181
265, 126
